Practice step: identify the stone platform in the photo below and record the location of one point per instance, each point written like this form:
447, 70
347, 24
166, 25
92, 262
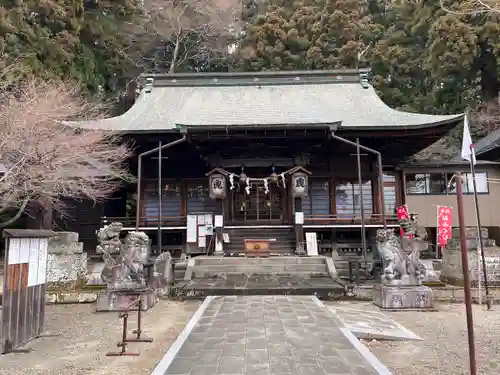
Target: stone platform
263, 335
321, 286
212, 275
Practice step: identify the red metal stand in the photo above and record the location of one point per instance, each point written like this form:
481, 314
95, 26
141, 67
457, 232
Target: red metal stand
137, 332
123, 343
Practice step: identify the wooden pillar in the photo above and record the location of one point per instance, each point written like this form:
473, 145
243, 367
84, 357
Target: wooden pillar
289, 200
399, 190
183, 199
219, 224
299, 226
142, 202
331, 186
378, 209
333, 196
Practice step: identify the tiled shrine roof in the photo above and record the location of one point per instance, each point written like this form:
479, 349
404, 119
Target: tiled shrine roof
267, 99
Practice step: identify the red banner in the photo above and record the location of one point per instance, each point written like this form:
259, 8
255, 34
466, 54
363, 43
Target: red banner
444, 222
402, 214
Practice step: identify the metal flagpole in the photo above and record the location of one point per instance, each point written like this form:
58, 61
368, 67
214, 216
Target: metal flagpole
437, 232
160, 196
465, 270
362, 208
479, 234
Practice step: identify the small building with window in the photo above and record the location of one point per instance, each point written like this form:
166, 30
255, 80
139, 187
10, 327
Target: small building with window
430, 184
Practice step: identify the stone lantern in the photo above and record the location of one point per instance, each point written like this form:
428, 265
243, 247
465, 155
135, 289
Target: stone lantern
300, 181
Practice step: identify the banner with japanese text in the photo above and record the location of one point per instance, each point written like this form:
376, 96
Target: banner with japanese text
402, 212
444, 222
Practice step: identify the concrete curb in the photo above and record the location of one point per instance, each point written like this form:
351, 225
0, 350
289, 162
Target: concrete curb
165, 362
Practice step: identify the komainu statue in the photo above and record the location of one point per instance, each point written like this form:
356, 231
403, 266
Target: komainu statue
124, 261
401, 256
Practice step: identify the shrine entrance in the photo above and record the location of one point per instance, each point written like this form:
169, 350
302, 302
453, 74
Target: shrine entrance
261, 204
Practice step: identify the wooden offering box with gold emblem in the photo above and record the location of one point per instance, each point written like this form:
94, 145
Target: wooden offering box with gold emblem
257, 248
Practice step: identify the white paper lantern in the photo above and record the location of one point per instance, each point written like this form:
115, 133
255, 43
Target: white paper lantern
299, 184
217, 186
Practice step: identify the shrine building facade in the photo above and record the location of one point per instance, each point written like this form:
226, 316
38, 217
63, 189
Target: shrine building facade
224, 156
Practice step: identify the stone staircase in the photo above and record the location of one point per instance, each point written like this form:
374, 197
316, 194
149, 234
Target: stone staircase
211, 275
282, 239
210, 266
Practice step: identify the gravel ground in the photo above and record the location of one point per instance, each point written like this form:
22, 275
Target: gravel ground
77, 339
444, 350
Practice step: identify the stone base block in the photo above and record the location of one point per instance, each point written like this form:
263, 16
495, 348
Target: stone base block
470, 232
402, 297
94, 274
67, 269
121, 301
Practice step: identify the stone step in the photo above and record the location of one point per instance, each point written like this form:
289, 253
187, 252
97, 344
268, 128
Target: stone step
263, 268
251, 261
272, 239
200, 274
283, 251
277, 242
278, 250
259, 234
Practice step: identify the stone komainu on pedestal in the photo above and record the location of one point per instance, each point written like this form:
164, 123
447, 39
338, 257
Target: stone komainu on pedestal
123, 270
403, 273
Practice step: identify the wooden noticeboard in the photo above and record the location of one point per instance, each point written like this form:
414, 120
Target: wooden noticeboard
199, 232
23, 303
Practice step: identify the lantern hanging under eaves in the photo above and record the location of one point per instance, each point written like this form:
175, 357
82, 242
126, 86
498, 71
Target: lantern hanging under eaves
299, 184
217, 186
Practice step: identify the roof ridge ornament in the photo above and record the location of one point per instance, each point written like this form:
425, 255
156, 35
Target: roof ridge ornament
363, 79
149, 84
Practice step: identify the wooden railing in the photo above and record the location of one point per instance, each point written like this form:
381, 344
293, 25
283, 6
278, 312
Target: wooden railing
319, 219
147, 221
328, 219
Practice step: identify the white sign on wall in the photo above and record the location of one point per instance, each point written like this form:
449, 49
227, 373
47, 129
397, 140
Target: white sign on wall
14, 251
299, 218
191, 229
33, 262
42, 261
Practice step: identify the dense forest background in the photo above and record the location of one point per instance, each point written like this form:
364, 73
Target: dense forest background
423, 58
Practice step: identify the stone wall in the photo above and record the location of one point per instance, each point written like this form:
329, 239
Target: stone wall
452, 272
67, 262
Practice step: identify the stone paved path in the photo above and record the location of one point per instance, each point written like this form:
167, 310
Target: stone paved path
265, 335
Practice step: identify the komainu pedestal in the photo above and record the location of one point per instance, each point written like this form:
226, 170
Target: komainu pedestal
401, 297
122, 299
401, 286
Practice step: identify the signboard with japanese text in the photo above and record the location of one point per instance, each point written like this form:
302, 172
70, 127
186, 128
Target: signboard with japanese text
444, 222
402, 212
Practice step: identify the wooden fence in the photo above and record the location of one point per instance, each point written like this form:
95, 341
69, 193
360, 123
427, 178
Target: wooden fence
22, 312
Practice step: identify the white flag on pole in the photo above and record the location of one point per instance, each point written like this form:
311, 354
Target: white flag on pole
467, 145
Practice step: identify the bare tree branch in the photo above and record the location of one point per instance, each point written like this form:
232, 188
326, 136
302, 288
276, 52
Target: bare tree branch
20, 211
487, 118
471, 7
198, 30
47, 163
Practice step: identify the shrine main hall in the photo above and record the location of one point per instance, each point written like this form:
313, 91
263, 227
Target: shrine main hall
221, 157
